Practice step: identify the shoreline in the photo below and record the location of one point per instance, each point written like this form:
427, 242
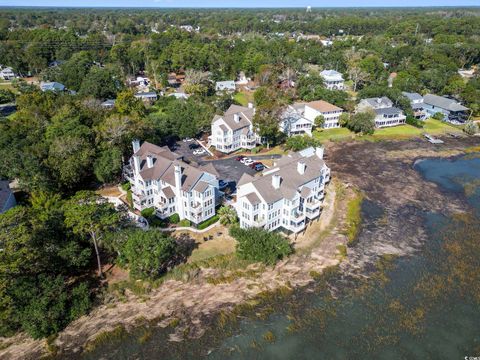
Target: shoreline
191, 302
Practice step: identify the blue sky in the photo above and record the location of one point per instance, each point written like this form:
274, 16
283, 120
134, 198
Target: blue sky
237, 3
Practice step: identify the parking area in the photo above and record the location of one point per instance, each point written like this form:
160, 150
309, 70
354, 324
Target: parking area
229, 169
183, 148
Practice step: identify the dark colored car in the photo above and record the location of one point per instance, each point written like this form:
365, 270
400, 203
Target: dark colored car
193, 146
255, 164
259, 167
238, 158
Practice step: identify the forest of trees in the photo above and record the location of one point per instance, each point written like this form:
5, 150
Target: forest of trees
62, 147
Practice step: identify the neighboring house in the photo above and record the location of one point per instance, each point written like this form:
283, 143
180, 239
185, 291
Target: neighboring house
385, 113
179, 95
287, 196
160, 179
7, 73
452, 110
466, 74
234, 129
416, 102
228, 86
108, 104
326, 42
175, 80
242, 79
147, 97
52, 86
333, 80
330, 112
7, 199
293, 121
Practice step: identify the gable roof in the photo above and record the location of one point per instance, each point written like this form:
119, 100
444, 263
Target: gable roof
412, 96
443, 103
291, 180
388, 111
52, 86
331, 75
245, 117
164, 162
379, 102
323, 106
225, 85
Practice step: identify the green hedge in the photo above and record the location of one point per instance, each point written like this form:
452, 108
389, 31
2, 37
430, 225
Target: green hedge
207, 223
126, 186
174, 218
148, 212
184, 223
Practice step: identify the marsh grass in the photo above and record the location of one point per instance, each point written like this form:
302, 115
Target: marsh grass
353, 218
117, 334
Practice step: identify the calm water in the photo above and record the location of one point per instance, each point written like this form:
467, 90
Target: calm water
406, 309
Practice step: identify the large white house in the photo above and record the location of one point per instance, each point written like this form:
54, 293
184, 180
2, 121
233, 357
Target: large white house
7, 199
160, 179
330, 112
293, 121
333, 80
234, 129
287, 196
385, 113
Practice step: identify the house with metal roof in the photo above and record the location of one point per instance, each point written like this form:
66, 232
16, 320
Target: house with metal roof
162, 180
333, 80
234, 129
147, 97
228, 86
52, 86
288, 195
451, 109
7, 198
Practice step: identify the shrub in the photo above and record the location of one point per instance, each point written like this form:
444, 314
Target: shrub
184, 223
414, 122
148, 212
208, 222
260, 245
174, 219
471, 128
126, 186
438, 116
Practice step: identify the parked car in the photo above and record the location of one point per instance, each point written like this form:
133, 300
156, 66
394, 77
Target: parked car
187, 139
199, 152
193, 146
259, 167
252, 165
240, 158
222, 184
248, 162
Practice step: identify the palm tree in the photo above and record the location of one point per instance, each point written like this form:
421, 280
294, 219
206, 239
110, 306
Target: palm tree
227, 215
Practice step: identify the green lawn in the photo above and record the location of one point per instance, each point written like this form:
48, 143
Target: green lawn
333, 134
432, 126
242, 98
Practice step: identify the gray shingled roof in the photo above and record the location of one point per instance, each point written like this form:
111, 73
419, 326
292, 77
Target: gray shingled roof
291, 180
412, 96
443, 102
201, 186
377, 102
163, 168
388, 111
245, 117
253, 198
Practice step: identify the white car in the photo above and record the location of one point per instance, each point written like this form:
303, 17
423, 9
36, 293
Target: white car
187, 139
199, 152
244, 159
248, 162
